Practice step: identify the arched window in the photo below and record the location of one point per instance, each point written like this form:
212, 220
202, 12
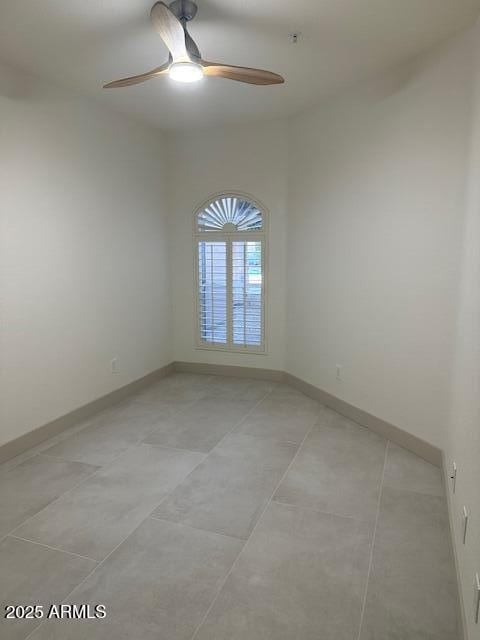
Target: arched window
230, 233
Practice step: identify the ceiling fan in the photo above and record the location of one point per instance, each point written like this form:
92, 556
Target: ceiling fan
185, 63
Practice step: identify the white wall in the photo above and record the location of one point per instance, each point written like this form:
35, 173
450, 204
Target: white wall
462, 443
84, 264
375, 207
249, 159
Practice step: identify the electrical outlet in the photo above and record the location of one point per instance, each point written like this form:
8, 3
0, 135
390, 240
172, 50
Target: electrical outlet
453, 476
114, 366
465, 523
339, 368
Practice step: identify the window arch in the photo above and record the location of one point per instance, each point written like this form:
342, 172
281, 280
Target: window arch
230, 238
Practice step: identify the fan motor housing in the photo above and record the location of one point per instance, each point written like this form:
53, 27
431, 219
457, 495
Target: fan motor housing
184, 9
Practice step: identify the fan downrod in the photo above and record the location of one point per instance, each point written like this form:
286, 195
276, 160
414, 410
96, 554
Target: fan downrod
184, 9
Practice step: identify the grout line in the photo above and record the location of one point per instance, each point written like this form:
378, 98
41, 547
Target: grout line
326, 513
416, 493
189, 526
41, 544
370, 563
60, 459
242, 550
165, 446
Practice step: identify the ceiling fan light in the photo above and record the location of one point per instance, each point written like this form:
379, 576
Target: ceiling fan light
185, 72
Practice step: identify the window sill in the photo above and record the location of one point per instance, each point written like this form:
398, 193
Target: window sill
261, 351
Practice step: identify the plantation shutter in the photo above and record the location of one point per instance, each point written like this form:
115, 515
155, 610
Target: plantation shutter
230, 275
212, 292
247, 293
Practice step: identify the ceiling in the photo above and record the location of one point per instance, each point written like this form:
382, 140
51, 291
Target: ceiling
84, 43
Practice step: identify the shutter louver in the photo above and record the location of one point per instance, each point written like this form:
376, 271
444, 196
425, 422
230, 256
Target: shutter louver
244, 215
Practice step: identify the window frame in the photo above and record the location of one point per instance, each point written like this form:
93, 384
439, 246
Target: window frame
229, 238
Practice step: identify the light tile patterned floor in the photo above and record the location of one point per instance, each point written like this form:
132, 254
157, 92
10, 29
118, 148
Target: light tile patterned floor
213, 508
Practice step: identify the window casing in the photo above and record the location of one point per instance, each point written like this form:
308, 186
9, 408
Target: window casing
230, 259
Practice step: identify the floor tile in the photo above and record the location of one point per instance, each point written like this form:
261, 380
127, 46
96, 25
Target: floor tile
34, 575
281, 388
411, 592
293, 399
239, 388
178, 391
157, 585
285, 393
110, 433
96, 516
229, 490
201, 426
404, 470
180, 380
338, 470
281, 415
293, 580
33, 484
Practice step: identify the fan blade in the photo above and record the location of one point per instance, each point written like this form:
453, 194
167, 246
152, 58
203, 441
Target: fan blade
171, 31
241, 74
143, 77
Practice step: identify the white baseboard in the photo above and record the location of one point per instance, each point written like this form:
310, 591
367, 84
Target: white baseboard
55, 427
448, 496
407, 440
229, 370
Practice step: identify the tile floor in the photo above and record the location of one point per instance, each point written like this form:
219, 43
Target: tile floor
213, 508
